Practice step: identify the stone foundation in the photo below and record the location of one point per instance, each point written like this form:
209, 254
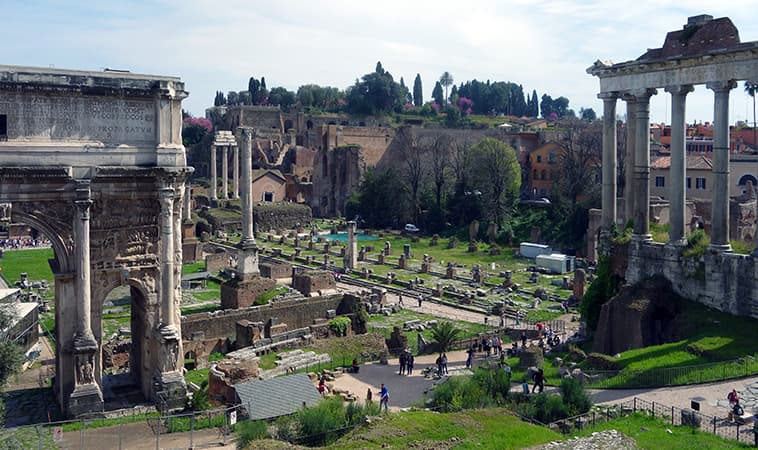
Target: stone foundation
237, 294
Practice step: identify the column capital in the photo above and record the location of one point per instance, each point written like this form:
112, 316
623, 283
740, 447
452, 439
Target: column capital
718, 86
607, 96
642, 94
247, 133
680, 89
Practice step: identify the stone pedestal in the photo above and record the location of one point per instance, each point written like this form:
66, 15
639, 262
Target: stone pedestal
85, 399
192, 248
242, 293
170, 391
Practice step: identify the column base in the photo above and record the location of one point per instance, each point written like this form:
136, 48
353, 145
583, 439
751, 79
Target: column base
247, 261
720, 248
680, 242
85, 399
170, 391
84, 343
642, 237
168, 332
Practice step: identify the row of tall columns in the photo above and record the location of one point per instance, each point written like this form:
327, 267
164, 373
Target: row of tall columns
225, 173
637, 192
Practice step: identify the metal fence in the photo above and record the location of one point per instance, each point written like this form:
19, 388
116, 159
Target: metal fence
196, 429
673, 376
720, 426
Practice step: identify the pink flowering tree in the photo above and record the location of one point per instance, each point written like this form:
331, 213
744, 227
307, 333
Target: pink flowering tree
465, 105
194, 129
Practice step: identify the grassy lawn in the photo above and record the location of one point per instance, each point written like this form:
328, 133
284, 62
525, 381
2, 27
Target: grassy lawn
653, 434
197, 376
195, 267
384, 324
484, 428
33, 262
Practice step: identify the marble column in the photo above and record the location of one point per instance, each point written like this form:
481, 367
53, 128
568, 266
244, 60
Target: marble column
631, 135
84, 340
225, 171
720, 171
166, 197
608, 218
247, 264
678, 171
642, 165
236, 172
187, 200
351, 252
214, 196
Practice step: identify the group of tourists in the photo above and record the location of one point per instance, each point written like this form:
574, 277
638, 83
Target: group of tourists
442, 365
406, 363
23, 243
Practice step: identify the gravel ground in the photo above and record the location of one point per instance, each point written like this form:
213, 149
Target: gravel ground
601, 440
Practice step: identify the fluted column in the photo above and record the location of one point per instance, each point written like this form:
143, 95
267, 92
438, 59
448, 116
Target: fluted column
214, 196
84, 339
166, 197
642, 165
631, 139
677, 174
720, 197
236, 172
608, 219
247, 264
225, 171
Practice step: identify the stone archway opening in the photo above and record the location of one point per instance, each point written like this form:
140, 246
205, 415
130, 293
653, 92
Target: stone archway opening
190, 360
123, 316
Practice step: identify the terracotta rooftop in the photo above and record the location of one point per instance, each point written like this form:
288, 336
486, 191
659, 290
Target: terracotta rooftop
693, 163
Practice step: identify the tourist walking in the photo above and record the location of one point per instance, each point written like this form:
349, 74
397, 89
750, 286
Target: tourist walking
369, 397
402, 363
523, 339
470, 357
384, 398
539, 381
409, 364
420, 300
443, 360
400, 301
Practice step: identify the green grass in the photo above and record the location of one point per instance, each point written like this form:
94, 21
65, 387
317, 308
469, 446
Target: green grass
34, 262
652, 434
197, 376
193, 267
484, 428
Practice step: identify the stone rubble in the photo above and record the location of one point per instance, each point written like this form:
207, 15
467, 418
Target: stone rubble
599, 440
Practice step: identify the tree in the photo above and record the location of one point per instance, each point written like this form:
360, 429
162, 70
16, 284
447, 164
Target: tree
282, 97
437, 94
380, 200
444, 334
446, 80
375, 93
10, 354
253, 86
587, 114
418, 93
220, 99
751, 89
495, 172
412, 155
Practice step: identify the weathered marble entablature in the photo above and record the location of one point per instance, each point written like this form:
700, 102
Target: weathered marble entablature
80, 118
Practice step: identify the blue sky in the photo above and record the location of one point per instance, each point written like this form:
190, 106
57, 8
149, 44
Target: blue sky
218, 45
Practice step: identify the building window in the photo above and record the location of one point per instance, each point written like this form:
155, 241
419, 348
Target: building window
536, 175
700, 183
3, 127
551, 157
689, 183
268, 196
544, 174
539, 158
660, 182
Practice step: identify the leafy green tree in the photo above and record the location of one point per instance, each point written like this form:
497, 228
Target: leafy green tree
10, 353
534, 106
496, 174
446, 80
418, 93
282, 97
232, 98
546, 107
375, 93
220, 99
253, 86
444, 334
751, 89
587, 114
380, 200
599, 292
437, 94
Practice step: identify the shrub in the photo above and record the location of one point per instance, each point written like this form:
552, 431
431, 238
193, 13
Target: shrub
601, 361
697, 244
547, 408
250, 431
574, 397
200, 401
340, 325
321, 424
599, 292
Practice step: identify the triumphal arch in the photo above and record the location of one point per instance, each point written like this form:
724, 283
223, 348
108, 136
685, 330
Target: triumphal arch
94, 161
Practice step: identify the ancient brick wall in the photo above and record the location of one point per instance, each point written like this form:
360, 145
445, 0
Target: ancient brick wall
223, 324
282, 215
